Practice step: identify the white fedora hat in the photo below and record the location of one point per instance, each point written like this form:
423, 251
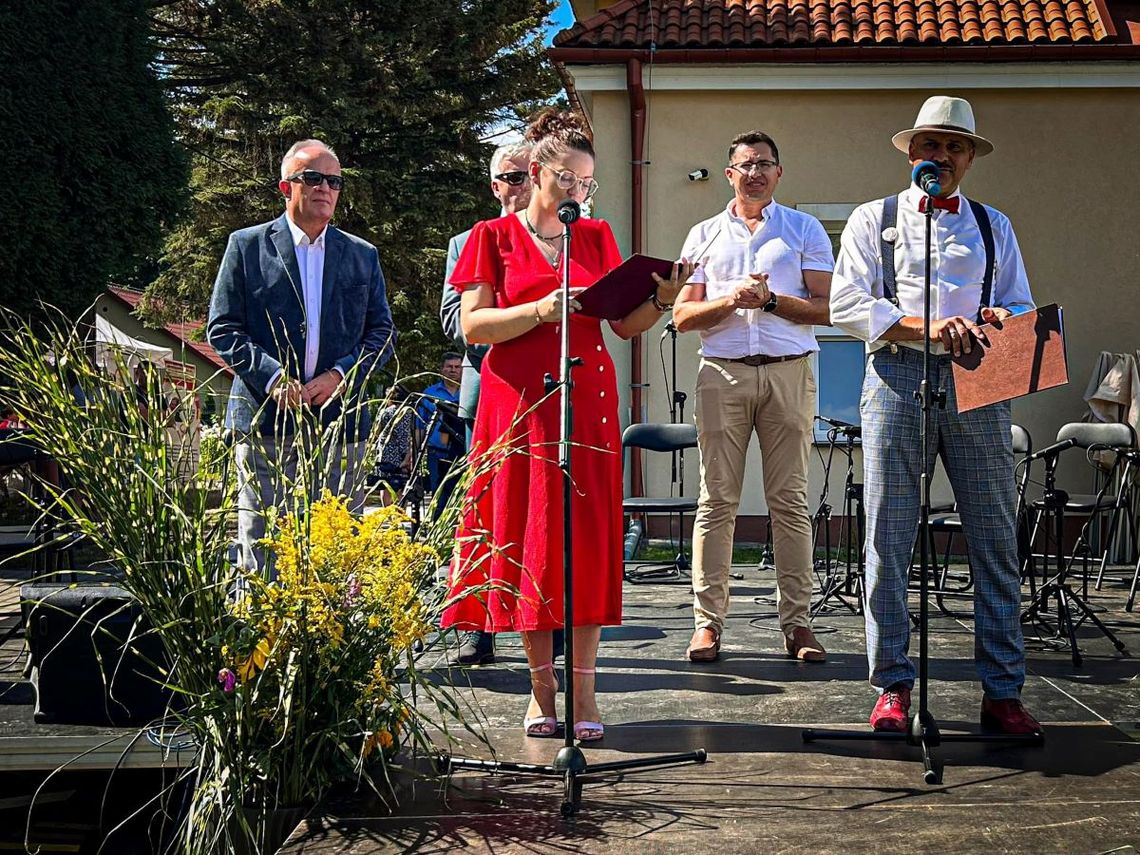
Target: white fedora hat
947, 115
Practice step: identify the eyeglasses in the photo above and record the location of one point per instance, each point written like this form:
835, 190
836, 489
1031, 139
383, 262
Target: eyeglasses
568, 180
514, 178
753, 167
312, 178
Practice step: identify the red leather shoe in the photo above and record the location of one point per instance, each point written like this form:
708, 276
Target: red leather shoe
1007, 716
892, 711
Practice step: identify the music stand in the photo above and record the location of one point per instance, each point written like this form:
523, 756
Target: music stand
570, 763
1052, 503
834, 584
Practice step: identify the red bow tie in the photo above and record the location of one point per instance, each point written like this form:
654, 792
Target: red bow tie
950, 204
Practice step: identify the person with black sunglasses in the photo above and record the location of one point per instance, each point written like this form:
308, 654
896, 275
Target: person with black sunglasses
510, 185
299, 312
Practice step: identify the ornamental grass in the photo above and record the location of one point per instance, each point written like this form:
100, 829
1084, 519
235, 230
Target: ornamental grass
280, 688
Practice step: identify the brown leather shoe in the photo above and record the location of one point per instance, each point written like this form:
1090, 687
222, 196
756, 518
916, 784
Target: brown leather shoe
705, 645
801, 644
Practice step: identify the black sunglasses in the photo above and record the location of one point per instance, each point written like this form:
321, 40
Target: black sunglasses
312, 178
514, 178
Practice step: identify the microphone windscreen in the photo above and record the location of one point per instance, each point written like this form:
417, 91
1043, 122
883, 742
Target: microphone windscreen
569, 211
927, 167
925, 175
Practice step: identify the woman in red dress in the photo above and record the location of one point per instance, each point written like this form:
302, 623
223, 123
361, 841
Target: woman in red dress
510, 538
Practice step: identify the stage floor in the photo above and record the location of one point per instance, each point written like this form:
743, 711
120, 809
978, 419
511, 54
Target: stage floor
763, 789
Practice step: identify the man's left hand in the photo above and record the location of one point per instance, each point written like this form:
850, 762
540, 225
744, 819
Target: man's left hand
993, 314
323, 388
760, 283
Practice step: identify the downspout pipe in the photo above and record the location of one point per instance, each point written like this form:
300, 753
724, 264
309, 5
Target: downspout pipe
637, 216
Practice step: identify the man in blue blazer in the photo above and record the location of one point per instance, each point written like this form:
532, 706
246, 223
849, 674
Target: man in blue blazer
300, 314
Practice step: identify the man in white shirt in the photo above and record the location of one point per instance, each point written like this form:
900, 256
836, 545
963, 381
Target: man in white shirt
299, 312
762, 283
970, 283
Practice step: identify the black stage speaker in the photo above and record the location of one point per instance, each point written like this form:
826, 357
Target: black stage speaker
82, 668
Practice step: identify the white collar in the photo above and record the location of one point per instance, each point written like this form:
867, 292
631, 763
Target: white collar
302, 239
766, 212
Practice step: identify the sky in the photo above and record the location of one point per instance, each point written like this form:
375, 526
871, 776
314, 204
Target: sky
563, 17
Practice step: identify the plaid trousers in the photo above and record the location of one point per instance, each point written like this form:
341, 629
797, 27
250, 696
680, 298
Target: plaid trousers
977, 451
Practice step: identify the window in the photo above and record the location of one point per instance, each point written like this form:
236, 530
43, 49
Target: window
841, 361
838, 369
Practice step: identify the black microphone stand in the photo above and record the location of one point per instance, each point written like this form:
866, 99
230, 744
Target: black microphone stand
922, 731
677, 470
570, 763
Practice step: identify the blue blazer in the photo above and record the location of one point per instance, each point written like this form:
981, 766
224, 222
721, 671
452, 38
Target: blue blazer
257, 322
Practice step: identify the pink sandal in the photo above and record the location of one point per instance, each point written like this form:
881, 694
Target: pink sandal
541, 726
588, 731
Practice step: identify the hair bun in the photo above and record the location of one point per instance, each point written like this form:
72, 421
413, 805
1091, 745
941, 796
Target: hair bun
562, 125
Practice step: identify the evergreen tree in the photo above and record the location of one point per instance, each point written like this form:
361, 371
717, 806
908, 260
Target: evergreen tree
405, 92
95, 177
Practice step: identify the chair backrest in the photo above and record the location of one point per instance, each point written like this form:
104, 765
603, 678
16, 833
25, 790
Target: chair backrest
660, 437
1022, 443
1106, 434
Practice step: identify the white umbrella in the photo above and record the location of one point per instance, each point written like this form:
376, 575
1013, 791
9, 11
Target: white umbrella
114, 347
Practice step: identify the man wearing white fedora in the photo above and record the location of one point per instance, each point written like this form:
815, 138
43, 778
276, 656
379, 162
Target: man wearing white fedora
977, 276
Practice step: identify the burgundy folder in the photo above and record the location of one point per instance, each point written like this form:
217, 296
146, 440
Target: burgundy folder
624, 288
1025, 354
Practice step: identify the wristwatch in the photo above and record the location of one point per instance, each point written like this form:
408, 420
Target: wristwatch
658, 305
770, 306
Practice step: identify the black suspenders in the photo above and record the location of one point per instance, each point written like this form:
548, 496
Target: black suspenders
890, 219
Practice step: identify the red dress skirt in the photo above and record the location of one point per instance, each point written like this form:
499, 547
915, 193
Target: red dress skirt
509, 542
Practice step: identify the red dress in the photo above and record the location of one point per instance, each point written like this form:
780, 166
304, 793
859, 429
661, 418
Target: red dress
509, 543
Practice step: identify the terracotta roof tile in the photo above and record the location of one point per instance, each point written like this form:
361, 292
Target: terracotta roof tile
948, 22
688, 24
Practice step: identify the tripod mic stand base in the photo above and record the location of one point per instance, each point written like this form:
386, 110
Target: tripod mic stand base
923, 732
570, 759
571, 766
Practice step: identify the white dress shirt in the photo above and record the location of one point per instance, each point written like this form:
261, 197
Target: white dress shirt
957, 268
785, 244
311, 262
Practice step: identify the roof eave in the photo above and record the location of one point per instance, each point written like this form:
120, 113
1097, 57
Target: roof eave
562, 56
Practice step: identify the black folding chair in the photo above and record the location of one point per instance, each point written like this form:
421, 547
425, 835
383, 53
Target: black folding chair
668, 438
1112, 499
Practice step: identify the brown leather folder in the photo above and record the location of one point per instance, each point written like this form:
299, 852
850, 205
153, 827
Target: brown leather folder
624, 288
1024, 354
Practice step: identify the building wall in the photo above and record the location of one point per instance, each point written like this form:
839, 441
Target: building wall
1055, 171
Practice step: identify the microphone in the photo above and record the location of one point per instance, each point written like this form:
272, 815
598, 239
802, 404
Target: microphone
925, 175
842, 426
569, 211
1052, 450
670, 329
835, 423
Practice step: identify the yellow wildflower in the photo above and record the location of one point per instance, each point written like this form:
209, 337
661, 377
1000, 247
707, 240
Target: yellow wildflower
256, 661
379, 738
